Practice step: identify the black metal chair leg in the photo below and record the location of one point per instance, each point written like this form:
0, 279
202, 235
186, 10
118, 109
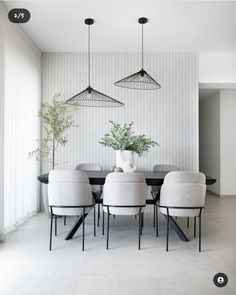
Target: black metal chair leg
167, 231
83, 229
98, 213
103, 217
51, 225
64, 220
94, 220
157, 225
200, 233
141, 224
154, 216
139, 231
187, 222
195, 227
108, 224
55, 225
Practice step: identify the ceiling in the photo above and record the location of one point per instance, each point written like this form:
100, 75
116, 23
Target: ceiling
57, 26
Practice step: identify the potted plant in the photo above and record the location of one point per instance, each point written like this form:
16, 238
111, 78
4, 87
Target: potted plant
123, 140
56, 119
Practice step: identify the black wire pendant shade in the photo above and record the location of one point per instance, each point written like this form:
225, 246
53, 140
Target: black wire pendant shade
140, 80
90, 97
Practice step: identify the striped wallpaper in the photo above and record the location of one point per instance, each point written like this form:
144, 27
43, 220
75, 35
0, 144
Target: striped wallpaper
168, 115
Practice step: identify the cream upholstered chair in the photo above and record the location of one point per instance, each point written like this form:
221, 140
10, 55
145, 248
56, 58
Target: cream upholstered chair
155, 189
69, 194
96, 189
124, 194
183, 194
162, 168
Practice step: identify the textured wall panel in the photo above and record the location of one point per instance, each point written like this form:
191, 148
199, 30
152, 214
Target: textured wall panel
168, 115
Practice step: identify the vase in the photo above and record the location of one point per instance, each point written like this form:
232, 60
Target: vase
123, 156
129, 166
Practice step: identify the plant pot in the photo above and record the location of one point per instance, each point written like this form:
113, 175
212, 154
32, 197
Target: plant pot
123, 156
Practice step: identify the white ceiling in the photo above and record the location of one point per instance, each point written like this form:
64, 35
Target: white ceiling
173, 26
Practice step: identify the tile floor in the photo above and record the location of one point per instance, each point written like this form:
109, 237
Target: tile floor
28, 268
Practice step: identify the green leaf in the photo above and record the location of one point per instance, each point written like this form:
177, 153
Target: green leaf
123, 138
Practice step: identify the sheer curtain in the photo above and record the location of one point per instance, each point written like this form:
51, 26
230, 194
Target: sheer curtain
21, 125
1, 131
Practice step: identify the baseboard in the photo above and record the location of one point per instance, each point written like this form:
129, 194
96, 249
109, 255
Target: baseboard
213, 193
227, 196
220, 196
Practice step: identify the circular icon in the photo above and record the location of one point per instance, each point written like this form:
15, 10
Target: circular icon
220, 279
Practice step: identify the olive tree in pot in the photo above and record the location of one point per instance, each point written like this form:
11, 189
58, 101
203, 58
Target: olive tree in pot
56, 119
124, 141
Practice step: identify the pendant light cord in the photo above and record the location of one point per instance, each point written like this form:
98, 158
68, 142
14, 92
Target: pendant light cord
89, 55
142, 46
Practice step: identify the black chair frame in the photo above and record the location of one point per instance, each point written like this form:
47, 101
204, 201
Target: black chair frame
125, 206
168, 221
83, 228
156, 197
96, 196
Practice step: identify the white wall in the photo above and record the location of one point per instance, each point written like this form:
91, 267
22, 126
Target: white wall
228, 142
168, 115
22, 82
217, 67
209, 139
218, 140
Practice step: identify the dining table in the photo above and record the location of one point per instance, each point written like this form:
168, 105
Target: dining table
153, 178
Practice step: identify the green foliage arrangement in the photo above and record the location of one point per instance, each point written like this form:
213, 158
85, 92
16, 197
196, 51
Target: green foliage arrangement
122, 137
56, 120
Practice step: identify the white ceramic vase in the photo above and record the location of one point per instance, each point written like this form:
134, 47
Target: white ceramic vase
124, 156
129, 166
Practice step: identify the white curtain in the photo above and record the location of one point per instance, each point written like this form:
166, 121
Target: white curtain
1, 130
21, 125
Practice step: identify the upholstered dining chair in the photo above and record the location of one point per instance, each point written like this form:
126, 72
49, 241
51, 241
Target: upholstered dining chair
124, 194
183, 195
96, 189
69, 194
155, 189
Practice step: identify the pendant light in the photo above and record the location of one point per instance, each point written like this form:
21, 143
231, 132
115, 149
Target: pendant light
140, 80
90, 97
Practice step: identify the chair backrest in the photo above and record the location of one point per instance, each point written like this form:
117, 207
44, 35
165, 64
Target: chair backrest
165, 168
183, 189
90, 167
69, 188
124, 189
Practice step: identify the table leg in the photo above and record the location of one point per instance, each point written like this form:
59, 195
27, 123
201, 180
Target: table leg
177, 229
75, 227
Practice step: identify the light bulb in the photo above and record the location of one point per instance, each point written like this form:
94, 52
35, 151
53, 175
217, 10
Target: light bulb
89, 95
141, 77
